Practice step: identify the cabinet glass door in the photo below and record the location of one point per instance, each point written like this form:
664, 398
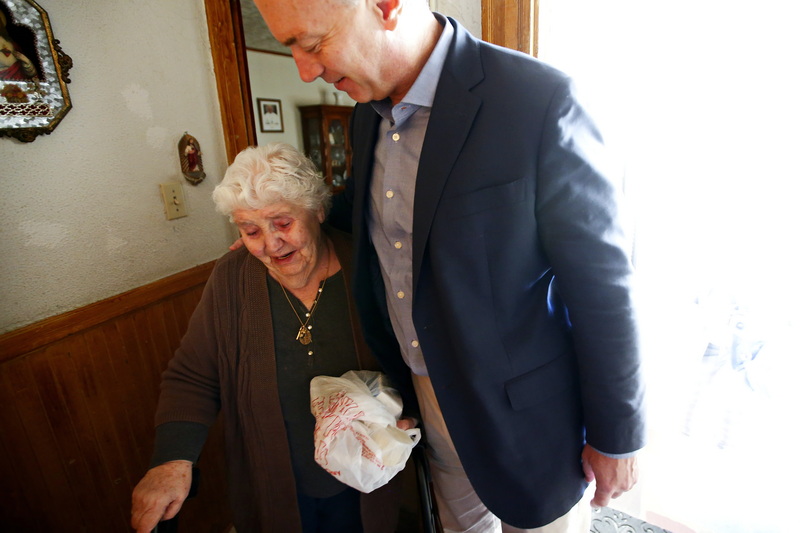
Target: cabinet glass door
336, 139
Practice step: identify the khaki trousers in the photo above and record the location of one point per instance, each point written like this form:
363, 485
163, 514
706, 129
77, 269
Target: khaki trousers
460, 509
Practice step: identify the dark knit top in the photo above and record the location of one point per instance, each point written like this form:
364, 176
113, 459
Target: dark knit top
227, 363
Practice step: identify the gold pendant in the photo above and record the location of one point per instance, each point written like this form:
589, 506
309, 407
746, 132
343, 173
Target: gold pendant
303, 335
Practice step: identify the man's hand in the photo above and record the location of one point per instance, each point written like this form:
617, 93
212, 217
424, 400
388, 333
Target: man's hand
613, 476
160, 494
238, 243
407, 422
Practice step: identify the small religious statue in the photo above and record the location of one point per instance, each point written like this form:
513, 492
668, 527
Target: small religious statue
191, 159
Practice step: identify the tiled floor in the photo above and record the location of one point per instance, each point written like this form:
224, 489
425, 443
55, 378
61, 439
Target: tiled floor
609, 520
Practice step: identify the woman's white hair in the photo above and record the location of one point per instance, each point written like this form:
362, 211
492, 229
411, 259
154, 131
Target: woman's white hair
264, 175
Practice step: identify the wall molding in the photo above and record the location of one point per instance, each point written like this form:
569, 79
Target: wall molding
26, 339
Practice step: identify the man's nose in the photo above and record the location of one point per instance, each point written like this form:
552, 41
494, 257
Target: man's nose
307, 66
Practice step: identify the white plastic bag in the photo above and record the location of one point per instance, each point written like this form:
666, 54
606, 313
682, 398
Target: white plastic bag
356, 438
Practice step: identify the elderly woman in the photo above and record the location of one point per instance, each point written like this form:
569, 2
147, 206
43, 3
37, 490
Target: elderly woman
274, 314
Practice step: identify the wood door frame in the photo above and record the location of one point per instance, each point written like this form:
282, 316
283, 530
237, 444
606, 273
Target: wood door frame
509, 23
229, 55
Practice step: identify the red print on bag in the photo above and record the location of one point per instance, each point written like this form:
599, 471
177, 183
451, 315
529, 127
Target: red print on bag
337, 417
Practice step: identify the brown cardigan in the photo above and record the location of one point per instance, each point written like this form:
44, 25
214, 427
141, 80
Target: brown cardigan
226, 361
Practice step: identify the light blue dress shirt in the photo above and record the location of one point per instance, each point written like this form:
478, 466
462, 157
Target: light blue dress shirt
394, 176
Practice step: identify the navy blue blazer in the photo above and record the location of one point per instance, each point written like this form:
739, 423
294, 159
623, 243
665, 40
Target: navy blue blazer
522, 279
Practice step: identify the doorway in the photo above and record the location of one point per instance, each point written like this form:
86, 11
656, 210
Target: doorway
699, 97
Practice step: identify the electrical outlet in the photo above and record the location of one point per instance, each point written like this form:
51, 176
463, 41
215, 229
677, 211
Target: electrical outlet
174, 205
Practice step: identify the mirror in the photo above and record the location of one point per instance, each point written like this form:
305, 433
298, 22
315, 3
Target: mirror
231, 65
313, 117
34, 72
256, 33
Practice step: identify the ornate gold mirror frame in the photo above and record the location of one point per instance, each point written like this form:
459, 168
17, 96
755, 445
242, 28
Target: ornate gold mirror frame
34, 72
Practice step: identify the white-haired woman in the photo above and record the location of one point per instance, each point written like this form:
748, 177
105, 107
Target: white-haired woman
274, 314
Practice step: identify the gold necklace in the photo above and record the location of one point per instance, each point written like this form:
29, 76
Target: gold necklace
304, 333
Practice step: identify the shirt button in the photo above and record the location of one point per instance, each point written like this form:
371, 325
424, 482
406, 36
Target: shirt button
415, 344
395, 137
401, 294
389, 194
398, 245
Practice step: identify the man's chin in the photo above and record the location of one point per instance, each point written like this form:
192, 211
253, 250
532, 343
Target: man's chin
353, 91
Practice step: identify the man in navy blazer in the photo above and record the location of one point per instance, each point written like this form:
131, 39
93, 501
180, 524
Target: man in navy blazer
492, 258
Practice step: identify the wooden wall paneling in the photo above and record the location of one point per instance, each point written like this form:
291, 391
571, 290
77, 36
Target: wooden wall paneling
171, 324
138, 404
68, 362
42, 470
163, 347
148, 360
76, 412
134, 422
146, 363
113, 430
14, 504
60, 396
13, 499
100, 422
185, 304
18, 461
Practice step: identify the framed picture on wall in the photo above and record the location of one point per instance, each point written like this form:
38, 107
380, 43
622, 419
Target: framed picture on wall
270, 115
34, 71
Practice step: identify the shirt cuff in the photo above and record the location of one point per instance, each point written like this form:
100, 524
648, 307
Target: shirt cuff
627, 455
178, 441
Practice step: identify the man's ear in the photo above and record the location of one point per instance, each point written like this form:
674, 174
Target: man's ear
390, 9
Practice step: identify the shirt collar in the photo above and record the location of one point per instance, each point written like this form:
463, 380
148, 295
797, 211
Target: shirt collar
424, 88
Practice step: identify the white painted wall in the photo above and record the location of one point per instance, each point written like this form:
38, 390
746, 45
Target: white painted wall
275, 76
467, 12
81, 217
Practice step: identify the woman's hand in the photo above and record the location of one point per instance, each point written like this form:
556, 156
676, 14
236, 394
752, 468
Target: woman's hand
160, 494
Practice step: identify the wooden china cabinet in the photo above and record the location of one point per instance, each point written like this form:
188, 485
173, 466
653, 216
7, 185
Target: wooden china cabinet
326, 138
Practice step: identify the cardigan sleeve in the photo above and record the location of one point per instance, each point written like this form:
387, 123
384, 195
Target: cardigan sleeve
178, 441
190, 387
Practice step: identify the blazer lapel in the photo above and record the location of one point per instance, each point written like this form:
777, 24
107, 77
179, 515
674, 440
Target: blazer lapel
365, 126
454, 109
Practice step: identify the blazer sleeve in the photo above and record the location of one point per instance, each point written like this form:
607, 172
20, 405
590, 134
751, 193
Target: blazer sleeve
585, 235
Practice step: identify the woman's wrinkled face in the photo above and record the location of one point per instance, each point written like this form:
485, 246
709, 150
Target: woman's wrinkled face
286, 238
